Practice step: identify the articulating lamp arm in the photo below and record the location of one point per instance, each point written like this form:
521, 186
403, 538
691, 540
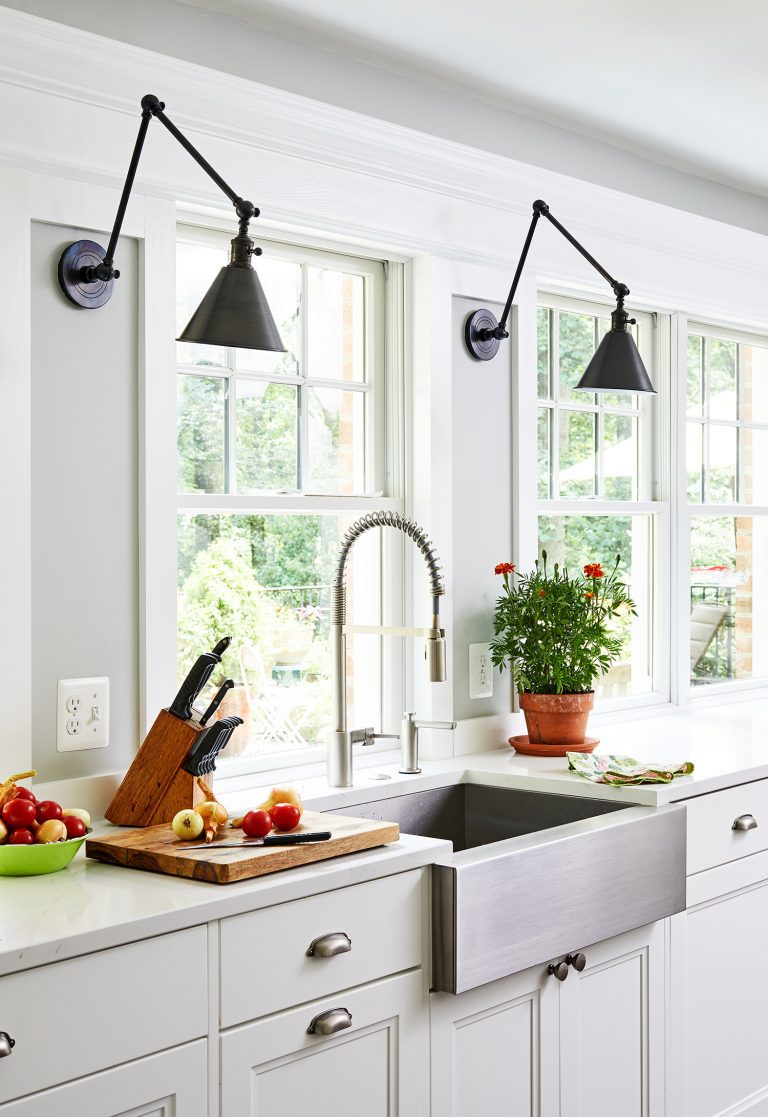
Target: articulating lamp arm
541, 209
152, 106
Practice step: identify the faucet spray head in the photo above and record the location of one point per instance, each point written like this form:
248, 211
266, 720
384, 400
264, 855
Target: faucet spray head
435, 656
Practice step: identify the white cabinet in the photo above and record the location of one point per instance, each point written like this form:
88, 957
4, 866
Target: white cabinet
172, 1084
376, 1066
720, 993
533, 1046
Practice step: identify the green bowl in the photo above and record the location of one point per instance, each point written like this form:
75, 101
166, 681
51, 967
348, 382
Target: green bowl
33, 861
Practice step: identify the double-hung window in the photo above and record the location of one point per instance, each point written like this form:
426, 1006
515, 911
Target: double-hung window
596, 483
726, 461
277, 454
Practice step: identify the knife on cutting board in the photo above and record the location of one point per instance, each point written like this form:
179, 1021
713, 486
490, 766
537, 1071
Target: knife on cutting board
302, 838
198, 676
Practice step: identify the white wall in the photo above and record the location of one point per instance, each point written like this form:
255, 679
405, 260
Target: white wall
457, 214
243, 49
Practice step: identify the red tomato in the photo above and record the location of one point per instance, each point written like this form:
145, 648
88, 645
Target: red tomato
47, 810
257, 824
285, 816
18, 813
21, 837
75, 826
25, 793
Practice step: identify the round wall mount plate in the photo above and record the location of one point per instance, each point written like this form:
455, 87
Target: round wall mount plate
481, 348
82, 254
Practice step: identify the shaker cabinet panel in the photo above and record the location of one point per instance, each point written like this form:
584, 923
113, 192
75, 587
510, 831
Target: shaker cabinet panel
171, 1084
721, 994
376, 1065
495, 1048
612, 1028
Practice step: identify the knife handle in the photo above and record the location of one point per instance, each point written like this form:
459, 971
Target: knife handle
297, 839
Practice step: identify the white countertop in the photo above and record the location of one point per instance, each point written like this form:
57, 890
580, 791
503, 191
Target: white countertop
91, 906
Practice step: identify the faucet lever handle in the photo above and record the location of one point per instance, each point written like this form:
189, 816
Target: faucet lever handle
435, 724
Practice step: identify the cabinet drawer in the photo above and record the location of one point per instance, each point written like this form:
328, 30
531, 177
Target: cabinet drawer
76, 1017
265, 966
711, 837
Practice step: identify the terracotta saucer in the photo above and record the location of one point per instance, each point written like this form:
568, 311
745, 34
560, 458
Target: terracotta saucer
527, 748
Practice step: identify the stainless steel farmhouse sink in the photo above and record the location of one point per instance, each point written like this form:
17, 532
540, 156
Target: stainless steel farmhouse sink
535, 875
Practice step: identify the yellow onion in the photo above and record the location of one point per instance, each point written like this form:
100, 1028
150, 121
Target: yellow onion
53, 830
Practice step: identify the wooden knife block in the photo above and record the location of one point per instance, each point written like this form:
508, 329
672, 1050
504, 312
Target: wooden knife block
156, 787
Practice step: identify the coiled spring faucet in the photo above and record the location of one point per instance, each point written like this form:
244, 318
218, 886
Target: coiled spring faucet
341, 738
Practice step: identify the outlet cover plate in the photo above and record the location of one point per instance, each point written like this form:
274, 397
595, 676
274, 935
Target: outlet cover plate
480, 671
82, 714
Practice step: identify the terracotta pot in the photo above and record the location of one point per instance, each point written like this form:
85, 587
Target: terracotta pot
557, 719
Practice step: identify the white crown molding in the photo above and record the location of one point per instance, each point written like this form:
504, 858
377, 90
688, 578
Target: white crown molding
80, 67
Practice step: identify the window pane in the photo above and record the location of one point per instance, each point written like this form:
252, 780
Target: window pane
695, 377
574, 541
754, 392
753, 462
722, 379
266, 440
694, 459
265, 581
336, 335
200, 435
619, 453
281, 280
197, 265
336, 441
577, 453
544, 352
545, 451
728, 606
577, 345
723, 443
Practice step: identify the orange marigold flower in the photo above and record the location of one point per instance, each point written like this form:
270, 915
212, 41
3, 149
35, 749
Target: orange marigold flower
504, 568
541, 593
594, 570
589, 594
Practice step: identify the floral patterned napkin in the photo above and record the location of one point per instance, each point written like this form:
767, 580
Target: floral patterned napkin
619, 770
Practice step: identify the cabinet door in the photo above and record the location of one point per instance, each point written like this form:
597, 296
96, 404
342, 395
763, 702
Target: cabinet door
612, 1037
495, 1048
171, 1084
378, 1066
721, 990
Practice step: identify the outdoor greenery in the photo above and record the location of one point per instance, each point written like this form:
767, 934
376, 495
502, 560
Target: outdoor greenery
554, 631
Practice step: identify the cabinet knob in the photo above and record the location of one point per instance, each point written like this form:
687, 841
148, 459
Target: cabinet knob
6, 1044
334, 1020
558, 970
745, 822
327, 946
578, 961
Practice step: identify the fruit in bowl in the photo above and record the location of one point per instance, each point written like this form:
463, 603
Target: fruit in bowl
37, 838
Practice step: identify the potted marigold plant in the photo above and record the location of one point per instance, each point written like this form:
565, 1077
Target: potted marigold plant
557, 634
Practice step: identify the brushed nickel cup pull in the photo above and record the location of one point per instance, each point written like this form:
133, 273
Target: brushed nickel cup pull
6, 1045
327, 1023
578, 961
558, 970
745, 822
328, 946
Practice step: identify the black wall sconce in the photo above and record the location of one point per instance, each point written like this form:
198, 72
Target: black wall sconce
234, 312
616, 365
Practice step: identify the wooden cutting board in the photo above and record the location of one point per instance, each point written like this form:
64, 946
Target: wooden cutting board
157, 849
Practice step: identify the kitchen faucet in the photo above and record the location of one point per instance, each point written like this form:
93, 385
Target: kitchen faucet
341, 738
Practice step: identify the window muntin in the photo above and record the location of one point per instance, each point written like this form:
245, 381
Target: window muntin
256, 434
726, 464
596, 470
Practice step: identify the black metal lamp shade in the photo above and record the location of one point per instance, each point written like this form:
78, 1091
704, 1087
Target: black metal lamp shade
616, 365
235, 313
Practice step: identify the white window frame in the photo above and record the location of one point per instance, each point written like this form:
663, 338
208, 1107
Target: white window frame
385, 469
732, 689
653, 497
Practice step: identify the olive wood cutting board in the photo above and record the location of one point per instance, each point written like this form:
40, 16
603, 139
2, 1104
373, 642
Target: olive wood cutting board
158, 850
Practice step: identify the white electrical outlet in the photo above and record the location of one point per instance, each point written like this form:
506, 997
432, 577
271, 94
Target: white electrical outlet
82, 714
480, 671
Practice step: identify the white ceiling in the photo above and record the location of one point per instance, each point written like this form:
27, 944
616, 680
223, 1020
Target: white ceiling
684, 82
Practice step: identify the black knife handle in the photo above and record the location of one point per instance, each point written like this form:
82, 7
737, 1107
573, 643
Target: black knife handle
222, 646
218, 699
200, 673
297, 839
